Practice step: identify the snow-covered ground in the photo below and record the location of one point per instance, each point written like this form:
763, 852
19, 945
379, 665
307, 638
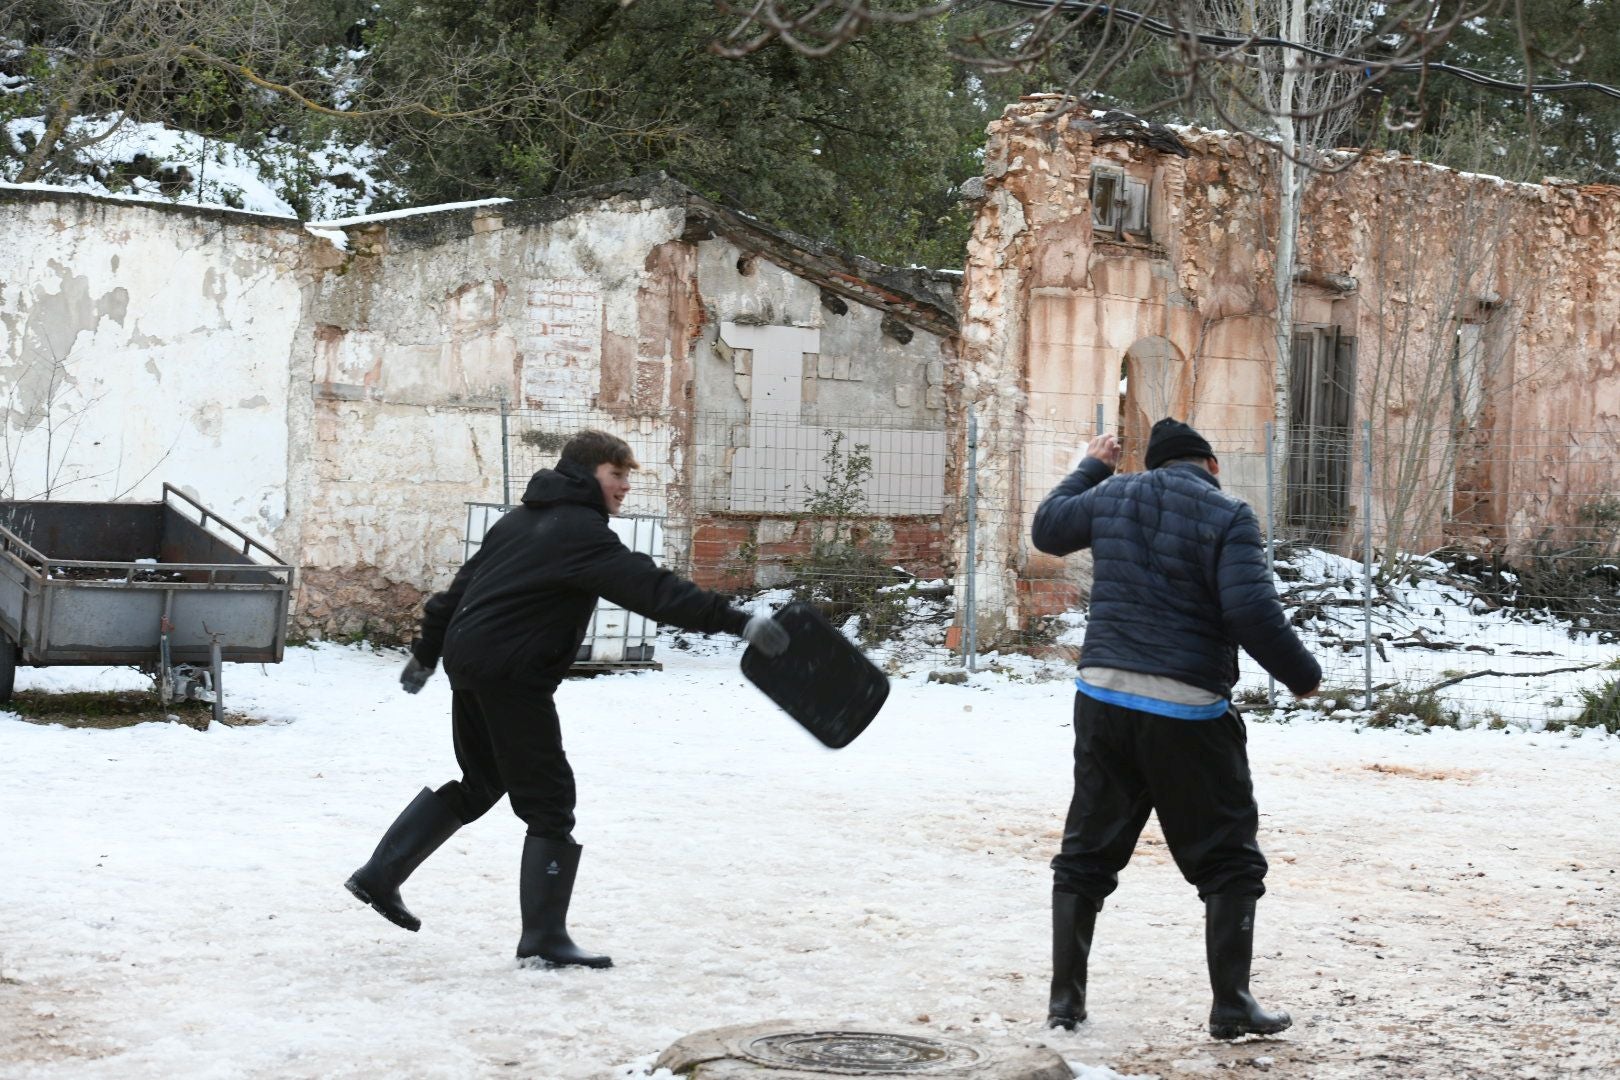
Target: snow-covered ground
1437, 632
1442, 904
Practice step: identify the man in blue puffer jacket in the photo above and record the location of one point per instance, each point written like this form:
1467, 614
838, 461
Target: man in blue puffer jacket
1180, 581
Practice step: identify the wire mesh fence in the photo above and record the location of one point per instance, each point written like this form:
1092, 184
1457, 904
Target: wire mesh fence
1438, 585
1485, 591
846, 510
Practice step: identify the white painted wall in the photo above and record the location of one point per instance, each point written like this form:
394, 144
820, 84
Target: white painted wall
138, 346
341, 401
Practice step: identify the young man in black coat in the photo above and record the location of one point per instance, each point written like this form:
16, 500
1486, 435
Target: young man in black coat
507, 629
1180, 581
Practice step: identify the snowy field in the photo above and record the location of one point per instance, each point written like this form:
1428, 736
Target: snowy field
1443, 904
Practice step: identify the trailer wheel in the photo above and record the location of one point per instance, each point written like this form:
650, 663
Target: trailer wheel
8, 668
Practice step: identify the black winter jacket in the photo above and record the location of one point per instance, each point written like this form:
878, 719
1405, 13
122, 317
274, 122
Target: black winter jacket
519, 608
1180, 576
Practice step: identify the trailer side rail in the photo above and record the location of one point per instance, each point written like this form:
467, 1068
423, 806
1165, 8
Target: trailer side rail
206, 515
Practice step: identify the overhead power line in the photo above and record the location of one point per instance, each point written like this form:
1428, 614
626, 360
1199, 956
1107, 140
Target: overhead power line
1368, 64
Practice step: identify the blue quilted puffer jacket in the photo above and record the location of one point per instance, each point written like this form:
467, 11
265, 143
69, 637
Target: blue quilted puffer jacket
1180, 576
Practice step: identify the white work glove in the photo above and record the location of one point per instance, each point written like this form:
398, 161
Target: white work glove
766, 634
415, 676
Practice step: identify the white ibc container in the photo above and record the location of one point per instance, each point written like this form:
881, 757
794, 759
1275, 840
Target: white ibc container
616, 637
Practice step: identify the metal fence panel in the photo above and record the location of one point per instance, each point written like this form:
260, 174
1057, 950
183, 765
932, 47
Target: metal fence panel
1472, 580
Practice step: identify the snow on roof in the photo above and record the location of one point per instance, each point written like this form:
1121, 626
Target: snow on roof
392, 215
1193, 134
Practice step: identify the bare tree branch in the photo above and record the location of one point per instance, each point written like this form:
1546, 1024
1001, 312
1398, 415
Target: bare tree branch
1455, 679
1404, 40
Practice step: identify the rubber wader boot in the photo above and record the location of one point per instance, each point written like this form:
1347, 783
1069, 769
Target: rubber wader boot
417, 833
1073, 920
1229, 943
546, 884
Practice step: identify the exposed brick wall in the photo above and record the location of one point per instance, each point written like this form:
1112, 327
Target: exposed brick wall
921, 545
1046, 596
1047, 587
731, 552
720, 550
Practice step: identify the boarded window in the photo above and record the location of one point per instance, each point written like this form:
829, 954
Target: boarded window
1321, 443
1119, 203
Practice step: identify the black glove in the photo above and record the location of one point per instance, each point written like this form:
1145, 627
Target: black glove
766, 634
415, 675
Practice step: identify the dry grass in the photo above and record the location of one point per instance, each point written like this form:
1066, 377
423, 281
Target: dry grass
116, 709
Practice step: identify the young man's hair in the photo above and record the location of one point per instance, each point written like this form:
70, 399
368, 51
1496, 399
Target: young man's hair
591, 448
1196, 459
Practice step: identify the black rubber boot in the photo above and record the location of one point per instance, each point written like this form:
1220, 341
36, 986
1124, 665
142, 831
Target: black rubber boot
1074, 918
546, 886
1229, 944
414, 835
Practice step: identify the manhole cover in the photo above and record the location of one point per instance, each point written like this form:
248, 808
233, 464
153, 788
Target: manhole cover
792, 1050
859, 1053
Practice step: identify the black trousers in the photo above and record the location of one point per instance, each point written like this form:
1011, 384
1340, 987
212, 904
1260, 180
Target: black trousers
508, 742
1193, 773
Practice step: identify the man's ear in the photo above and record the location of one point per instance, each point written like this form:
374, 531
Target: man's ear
1214, 466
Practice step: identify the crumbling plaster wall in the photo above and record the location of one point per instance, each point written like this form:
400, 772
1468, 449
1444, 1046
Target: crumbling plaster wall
1050, 310
141, 344
339, 400
337, 390
853, 369
1530, 273
429, 323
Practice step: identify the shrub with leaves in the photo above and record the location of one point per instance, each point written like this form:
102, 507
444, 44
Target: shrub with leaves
1400, 707
847, 570
1600, 708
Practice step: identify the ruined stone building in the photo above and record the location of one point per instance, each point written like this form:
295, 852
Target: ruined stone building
1116, 267
344, 390
341, 390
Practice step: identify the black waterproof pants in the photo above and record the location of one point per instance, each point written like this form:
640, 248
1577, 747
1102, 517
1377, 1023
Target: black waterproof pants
508, 742
1193, 773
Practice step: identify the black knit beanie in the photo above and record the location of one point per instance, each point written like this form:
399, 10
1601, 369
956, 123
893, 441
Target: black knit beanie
1171, 439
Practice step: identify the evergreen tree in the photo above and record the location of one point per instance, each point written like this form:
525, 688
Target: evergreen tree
1575, 134
864, 147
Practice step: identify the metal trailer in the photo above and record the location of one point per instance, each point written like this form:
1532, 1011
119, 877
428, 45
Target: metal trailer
167, 586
